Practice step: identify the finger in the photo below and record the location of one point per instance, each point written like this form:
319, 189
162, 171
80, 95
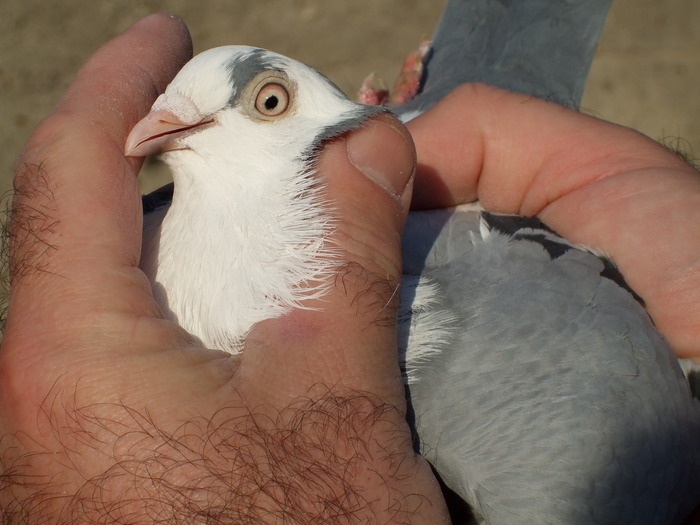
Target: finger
76, 225
349, 339
518, 153
596, 183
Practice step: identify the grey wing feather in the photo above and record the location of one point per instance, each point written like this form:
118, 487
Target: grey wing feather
549, 396
537, 47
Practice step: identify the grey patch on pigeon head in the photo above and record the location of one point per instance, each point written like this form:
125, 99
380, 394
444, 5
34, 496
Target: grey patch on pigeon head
243, 69
357, 119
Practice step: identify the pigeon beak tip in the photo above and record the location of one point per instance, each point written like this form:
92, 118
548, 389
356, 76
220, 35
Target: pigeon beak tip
158, 132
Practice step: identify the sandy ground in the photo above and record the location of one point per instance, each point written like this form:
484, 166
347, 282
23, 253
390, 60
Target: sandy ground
645, 74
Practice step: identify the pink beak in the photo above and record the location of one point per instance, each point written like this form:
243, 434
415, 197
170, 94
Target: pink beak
157, 132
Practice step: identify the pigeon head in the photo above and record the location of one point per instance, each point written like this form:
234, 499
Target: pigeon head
245, 237
246, 100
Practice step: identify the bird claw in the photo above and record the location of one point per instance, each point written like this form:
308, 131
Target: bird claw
407, 85
371, 94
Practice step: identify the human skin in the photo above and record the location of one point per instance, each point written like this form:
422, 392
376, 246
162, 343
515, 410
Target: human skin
109, 414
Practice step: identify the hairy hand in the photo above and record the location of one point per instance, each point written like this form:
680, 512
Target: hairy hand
110, 414
596, 183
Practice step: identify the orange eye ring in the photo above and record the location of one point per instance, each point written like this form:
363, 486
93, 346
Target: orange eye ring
272, 100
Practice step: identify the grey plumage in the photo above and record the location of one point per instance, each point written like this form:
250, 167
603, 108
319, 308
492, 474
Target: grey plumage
551, 398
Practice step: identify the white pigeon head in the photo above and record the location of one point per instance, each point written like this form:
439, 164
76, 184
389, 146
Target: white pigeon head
245, 238
249, 91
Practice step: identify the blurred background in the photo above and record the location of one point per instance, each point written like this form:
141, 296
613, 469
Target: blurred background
645, 75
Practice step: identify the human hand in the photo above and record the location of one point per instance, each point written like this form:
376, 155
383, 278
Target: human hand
108, 413
594, 182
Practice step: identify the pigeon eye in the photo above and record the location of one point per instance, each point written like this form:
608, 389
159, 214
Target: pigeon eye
272, 100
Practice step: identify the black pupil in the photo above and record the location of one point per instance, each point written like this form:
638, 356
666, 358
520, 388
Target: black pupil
271, 102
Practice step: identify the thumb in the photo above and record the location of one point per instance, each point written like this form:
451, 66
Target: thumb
348, 338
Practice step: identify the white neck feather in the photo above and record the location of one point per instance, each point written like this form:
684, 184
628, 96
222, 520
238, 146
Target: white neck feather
268, 244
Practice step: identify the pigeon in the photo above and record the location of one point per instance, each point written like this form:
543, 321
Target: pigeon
539, 388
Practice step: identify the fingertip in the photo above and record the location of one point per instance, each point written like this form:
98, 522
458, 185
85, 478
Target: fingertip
170, 24
119, 81
383, 151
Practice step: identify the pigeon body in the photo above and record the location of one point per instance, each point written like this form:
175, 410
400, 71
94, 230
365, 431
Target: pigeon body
539, 388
